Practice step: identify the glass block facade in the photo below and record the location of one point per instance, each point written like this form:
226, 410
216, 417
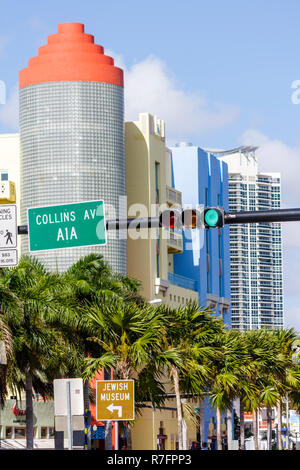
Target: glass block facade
72, 150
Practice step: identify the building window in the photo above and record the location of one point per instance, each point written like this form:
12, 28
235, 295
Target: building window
8, 432
20, 433
157, 182
4, 176
47, 433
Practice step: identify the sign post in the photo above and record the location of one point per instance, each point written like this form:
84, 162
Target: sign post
115, 401
66, 226
68, 406
69, 411
8, 235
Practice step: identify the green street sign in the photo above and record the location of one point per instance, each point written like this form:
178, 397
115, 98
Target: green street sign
66, 226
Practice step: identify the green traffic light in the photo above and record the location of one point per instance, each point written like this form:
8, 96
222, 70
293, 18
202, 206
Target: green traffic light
211, 217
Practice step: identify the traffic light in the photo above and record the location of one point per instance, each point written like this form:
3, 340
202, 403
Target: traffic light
170, 219
178, 219
191, 218
213, 217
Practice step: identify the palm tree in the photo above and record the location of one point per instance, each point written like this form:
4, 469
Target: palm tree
288, 375
40, 350
128, 337
228, 374
272, 374
9, 309
91, 279
261, 357
190, 333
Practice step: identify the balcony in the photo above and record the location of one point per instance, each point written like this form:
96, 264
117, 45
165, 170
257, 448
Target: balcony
174, 242
182, 281
173, 197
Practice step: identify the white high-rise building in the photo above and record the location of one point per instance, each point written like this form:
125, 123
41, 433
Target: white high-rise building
255, 249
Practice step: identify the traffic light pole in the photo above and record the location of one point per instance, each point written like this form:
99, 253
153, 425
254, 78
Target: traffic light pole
242, 217
118, 224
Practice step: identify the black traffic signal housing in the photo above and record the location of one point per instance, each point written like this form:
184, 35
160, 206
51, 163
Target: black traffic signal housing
192, 218
170, 218
213, 217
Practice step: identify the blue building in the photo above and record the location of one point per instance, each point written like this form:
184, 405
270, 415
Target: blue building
203, 180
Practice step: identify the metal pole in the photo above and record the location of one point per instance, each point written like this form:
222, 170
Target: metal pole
242, 217
184, 430
273, 215
69, 416
116, 435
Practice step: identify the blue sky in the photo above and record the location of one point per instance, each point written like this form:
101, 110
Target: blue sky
219, 73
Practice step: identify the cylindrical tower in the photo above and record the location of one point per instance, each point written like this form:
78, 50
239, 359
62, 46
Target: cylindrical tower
72, 135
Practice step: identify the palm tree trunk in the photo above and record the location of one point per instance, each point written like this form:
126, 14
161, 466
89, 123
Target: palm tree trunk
229, 428
29, 412
175, 376
279, 418
255, 429
269, 427
219, 429
108, 435
108, 424
202, 422
129, 437
242, 426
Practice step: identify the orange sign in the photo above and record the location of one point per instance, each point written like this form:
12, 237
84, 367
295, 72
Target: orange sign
248, 416
115, 400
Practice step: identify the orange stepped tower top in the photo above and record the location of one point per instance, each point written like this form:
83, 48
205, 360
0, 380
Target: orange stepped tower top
71, 55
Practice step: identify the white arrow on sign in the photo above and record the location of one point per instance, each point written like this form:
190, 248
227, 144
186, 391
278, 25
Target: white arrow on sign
111, 408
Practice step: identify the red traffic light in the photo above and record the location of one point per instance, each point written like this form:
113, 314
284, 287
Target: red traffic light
170, 219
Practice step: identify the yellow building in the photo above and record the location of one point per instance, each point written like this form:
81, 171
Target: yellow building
150, 254
149, 191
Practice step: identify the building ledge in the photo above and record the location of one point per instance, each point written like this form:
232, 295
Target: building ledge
214, 300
